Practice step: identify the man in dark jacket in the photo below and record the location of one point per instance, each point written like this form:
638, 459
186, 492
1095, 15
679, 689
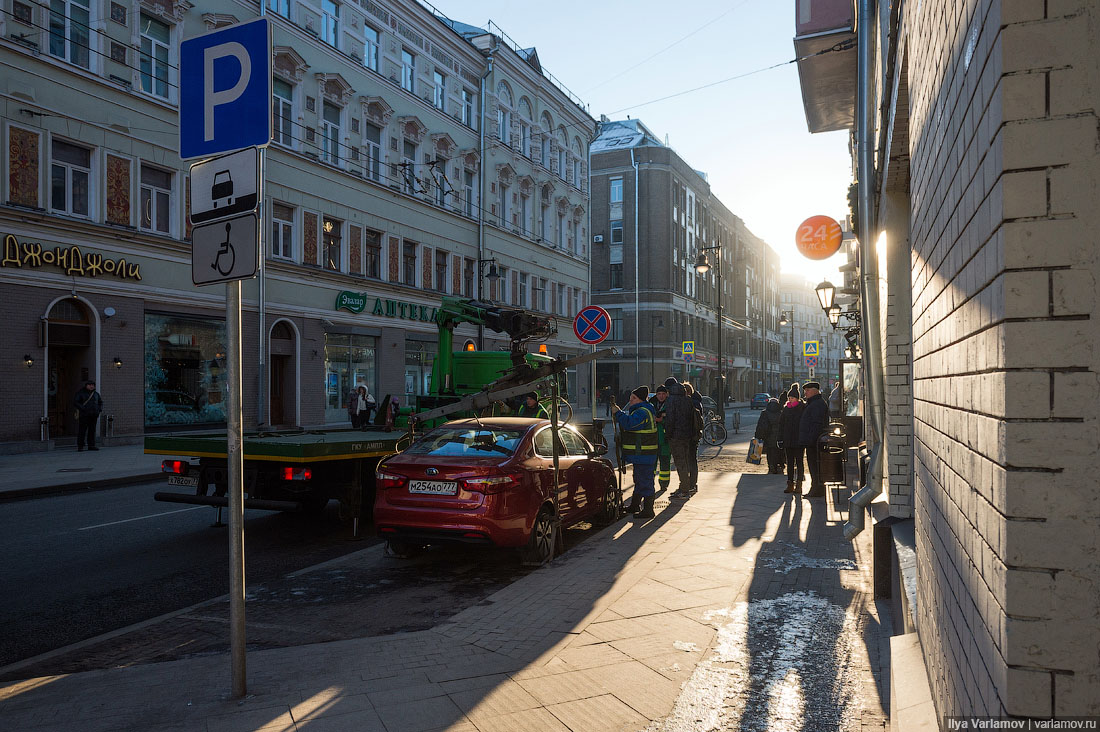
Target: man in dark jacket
639, 428
659, 401
768, 432
810, 426
88, 405
788, 440
679, 424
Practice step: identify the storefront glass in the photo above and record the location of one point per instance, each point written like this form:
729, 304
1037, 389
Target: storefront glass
184, 370
349, 362
419, 357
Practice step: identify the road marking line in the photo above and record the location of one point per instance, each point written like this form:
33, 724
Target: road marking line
139, 518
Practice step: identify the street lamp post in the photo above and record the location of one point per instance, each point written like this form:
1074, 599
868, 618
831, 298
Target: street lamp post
786, 317
702, 265
492, 275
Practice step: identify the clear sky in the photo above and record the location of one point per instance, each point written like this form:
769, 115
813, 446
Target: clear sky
749, 135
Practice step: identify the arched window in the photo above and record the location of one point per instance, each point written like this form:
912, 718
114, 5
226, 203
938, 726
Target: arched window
524, 122
504, 113
547, 131
563, 148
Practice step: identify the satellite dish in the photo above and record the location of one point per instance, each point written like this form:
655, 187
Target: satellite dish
109, 312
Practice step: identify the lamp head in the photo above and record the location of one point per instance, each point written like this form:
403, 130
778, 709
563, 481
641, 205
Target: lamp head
702, 264
493, 274
834, 314
825, 294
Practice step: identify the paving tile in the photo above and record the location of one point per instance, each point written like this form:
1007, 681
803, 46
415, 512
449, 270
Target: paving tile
561, 687
597, 714
362, 720
418, 716
532, 720
505, 698
328, 702
590, 656
640, 687
251, 720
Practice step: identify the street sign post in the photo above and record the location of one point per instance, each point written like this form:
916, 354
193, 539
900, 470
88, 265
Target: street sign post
225, 186
688, 348
811, 362
592, 325
225, 105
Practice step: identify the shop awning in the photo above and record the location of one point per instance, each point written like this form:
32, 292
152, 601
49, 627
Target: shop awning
828, 79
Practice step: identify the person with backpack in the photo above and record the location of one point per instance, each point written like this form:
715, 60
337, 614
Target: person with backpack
789, 421
768, 431
683, 428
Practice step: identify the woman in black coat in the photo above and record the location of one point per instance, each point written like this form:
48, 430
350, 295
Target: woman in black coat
788, 427
768, 431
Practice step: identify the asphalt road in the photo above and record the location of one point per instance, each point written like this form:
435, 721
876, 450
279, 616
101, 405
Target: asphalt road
76, 566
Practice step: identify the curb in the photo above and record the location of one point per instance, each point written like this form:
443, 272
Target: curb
76, 487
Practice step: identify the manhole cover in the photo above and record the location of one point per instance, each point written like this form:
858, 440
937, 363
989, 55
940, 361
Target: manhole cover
74, 470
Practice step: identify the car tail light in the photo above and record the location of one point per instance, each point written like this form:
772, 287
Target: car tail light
491, 483
383, 481
297, 473
177, 467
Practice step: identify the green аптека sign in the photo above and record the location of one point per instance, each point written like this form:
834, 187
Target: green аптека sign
356, 302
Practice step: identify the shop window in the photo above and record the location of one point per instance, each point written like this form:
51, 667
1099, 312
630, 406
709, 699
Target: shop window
184, 370
419, 357
350, 361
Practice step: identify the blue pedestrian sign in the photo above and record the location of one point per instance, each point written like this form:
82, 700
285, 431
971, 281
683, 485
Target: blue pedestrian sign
592, 325
225, 90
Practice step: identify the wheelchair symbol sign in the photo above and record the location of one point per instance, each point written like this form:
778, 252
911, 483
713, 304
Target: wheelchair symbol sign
226, 250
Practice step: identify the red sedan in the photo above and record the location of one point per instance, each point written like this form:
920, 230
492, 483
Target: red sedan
491, 481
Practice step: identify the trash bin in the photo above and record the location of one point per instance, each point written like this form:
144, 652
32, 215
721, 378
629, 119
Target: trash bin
833, 452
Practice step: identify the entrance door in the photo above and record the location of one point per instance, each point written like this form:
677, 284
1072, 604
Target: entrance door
278, 389
60, 391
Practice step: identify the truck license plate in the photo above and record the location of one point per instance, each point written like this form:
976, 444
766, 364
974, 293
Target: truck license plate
434, 487
183, 480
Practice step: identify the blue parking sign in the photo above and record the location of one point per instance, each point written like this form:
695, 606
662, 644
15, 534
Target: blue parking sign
225, 90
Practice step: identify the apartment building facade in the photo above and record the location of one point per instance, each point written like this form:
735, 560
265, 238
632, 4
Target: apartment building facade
652, 216
400, 152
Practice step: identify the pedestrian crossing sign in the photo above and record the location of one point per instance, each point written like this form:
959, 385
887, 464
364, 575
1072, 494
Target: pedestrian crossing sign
689, 347
809, 348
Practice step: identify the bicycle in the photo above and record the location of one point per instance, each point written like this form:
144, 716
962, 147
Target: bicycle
714, 432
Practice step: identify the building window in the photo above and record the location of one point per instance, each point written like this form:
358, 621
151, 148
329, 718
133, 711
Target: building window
439, 175
184, 370
441, 260
331, 231
616, 232
504, 122
578, 245
521, 295
408, 166
282, 7
372, 141
561, 231
615, 260
408, 71
543, 295
561, 300
544, 232
370, 47
69, 36
499, 289
468, 192
525, 214
468, 118
546, 150
70, 179
330, 23
561, 162
525, 139
330, 133
439, 94
408, 263
373, 257
616, 323
156, 38
468, 278
282, 113
615, 192
577, 172
282, 231
156, 200
502, 203
350, 360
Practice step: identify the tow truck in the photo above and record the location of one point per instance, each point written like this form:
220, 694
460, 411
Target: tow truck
302, 470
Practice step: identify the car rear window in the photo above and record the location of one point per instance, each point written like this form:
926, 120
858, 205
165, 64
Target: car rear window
465, 441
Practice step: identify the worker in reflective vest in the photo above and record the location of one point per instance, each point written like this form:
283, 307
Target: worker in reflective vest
639, 426
532, 408
664, 450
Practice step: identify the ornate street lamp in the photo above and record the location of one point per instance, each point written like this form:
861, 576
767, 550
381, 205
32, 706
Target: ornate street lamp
834, 315
825, 294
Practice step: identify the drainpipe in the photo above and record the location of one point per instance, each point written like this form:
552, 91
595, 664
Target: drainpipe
588, 248
481, 188
872, 335
637, 266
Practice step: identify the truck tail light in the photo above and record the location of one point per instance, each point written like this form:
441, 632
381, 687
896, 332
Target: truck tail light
176, 467
492, 483
385, 481
297, 473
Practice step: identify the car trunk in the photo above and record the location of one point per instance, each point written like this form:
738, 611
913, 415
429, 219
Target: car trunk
442, 489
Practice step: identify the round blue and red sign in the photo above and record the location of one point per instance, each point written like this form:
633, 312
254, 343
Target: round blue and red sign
592, 325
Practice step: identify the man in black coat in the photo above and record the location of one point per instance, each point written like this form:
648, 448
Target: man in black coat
813, 422
679, 424
88, 405
768, 431
788, 439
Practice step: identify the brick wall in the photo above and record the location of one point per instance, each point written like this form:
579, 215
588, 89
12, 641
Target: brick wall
1003, 145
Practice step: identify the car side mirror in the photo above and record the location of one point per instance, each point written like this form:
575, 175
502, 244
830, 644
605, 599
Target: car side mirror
599, 450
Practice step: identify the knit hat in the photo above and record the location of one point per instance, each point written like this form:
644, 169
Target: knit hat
811, 385
642, 392
671, 381
531, 395
661, 388
794, 393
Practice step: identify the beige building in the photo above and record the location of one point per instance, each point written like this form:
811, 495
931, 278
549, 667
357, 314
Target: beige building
986, 159
412, 156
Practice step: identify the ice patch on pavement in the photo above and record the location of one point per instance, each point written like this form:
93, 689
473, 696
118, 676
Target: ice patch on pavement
684, 646
775, 665
795, 557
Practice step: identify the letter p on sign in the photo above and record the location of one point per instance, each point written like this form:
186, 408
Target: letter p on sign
225, 90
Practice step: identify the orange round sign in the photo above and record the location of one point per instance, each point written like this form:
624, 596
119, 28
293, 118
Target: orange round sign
818, 237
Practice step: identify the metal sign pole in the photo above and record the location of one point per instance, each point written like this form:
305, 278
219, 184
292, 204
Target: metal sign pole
235, 458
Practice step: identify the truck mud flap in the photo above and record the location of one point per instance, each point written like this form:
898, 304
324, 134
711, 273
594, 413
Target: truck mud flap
264, 505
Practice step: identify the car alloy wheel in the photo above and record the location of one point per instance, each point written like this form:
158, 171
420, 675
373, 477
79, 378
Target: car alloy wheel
612, 509
540, 546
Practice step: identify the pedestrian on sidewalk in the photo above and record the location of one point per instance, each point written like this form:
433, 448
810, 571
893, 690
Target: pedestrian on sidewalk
814, 419
664, 452
680, 429
639, 426
89, 405
768, 431
789, 421
360, 406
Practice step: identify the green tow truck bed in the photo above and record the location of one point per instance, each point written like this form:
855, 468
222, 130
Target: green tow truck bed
283, 471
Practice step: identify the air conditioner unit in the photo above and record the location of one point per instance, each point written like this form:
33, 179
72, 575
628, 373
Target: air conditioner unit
597, 239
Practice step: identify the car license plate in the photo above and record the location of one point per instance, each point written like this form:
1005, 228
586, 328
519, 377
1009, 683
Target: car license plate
434, 487
183, 480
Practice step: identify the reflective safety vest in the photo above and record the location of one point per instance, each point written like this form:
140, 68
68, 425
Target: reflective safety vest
642, 441
538, 412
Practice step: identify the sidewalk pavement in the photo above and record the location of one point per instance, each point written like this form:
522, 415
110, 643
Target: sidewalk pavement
65, 469
741, 609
